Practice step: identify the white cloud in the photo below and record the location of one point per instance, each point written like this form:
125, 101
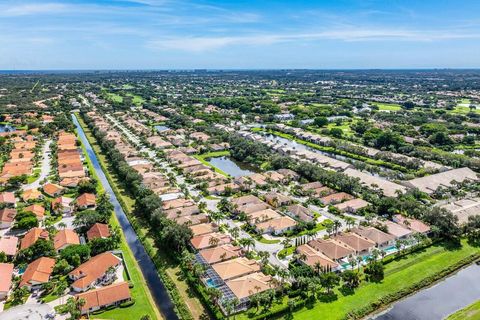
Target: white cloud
31, 9
199, 44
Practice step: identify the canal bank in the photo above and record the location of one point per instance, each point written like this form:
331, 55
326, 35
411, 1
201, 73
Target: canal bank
440, 300
147, 267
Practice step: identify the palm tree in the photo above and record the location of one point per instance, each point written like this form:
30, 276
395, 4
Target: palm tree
62, 225
247, 242
350, 222
359, 262
235, 232
337, 225
213, 241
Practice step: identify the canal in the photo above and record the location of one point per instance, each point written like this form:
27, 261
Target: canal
440, 300
146, 264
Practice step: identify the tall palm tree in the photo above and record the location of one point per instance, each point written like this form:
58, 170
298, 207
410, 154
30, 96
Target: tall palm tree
247, 242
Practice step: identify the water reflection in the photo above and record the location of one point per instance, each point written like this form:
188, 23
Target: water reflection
232, 167
437, 302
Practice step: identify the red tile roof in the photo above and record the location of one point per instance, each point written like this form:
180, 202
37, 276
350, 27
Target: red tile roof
38, 271
105, 296
98, 230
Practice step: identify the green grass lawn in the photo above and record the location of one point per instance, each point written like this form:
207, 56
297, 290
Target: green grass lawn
387, 106
136, 100
203, 158
114, 97
399, 275
144, 303
472, 312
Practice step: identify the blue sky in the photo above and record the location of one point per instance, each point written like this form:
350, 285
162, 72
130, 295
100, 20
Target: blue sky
170, 34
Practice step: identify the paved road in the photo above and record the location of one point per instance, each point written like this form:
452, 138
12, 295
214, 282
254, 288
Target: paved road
147, 266
45, 167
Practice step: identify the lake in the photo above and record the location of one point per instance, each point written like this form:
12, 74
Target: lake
440, 300
232, 167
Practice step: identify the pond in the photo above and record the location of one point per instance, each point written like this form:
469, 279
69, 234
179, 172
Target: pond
232, 167
439, 301
161, 128
6, 128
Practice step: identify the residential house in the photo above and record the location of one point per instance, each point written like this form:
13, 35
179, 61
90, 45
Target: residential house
112, 295
315, 259
276, 199
276, 226
300, 212
8, 199
37, 273
99, 269
86, 201
37, 210
63, 205
245, 286
217, 254
98, 230
65, 238
203, 228
53, 190
7, 216
32, 236
6, 272
335, 250
8, 245
381, 239
412, 224
235, 268
336, 198
397, 230
31, 195
209, 240
352, 206
361, 245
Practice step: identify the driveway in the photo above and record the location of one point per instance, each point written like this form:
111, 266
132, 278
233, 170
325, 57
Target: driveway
45, 167
27, 311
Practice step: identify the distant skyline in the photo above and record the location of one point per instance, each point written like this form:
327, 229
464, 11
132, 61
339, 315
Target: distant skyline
265, 34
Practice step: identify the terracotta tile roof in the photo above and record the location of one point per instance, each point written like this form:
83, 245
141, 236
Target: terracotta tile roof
105, 296
65, 237
312, 257
6, 272
86, 199
88, 272
98, 230
333, 249
396, 229
38, 271
52, 189
355, 241
277, 224
412, 224
262, 215
31, 194
203, 228
248, 285
8, 244
312, 185
7, 197
353, 204
336, 197
36, 209
300, 212
7, 215
377, 236
220, 253
32, 236
203, 241
235, 268
248, 199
